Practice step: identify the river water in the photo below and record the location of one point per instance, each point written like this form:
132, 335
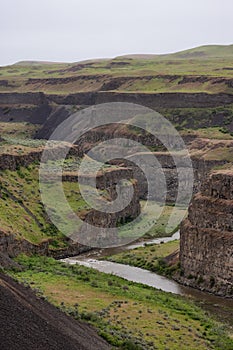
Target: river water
221, 308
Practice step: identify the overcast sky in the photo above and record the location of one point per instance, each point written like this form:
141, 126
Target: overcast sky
73, 30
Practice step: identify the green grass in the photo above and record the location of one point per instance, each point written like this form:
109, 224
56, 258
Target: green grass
149, 257
22, 211
217, 133
18, 141
206, 51
120, 310
22, 130
17, 137
159, 229
159, 73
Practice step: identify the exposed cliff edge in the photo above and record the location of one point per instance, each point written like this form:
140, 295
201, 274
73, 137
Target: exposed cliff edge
49, 110
11, 246
206, 243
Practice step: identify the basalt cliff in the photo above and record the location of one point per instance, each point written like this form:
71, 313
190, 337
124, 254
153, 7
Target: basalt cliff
206, 242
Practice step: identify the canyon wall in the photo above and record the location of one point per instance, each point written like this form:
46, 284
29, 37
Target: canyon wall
115, 182
206, 242
200, 167
31, 107
50, 110
12, 244
153, 100
11, 160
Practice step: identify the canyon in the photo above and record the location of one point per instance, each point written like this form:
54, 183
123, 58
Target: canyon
198, 103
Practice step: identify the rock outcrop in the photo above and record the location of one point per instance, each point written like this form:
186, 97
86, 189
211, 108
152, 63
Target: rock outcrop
153, 100
108, 180
28, 107
11, 246
201, 168
206, 243
49, 110
12, 159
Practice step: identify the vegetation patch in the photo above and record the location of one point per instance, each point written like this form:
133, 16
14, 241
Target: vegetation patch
150, 257
22, 210
159, 229
128, 315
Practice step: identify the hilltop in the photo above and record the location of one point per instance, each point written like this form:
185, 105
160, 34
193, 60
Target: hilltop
202, 69
205, 51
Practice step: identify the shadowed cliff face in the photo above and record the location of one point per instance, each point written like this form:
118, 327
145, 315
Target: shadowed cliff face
51, 109
206, 246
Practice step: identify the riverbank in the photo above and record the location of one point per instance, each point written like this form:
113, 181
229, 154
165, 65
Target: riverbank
160, 257
129, 315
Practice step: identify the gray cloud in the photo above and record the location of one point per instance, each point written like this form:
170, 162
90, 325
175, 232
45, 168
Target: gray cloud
72, 30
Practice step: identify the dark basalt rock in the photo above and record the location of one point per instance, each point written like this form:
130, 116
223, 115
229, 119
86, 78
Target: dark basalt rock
206, 242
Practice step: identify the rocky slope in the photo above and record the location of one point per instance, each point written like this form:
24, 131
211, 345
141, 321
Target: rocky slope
206, 245
28, 322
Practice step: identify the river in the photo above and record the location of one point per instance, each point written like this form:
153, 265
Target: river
221, 308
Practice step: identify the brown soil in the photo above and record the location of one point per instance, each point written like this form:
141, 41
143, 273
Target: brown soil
28, 322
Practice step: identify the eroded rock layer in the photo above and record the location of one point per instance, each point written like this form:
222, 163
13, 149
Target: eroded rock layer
206, 245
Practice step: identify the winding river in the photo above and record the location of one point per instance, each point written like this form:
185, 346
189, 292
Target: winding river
220, 307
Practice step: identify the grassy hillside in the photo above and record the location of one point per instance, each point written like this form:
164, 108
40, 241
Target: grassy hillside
207, 51
149, 257
128, 315
22, 211
203, 69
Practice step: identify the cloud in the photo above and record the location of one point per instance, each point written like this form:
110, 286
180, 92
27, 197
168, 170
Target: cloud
71, 30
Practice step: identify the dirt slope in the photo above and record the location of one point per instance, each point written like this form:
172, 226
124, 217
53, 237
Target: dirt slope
29, 323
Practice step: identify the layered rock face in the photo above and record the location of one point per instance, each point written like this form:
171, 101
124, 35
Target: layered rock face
118, 184
50, 110
206, 243
156, 100
12, 161
200, 168
11, 246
